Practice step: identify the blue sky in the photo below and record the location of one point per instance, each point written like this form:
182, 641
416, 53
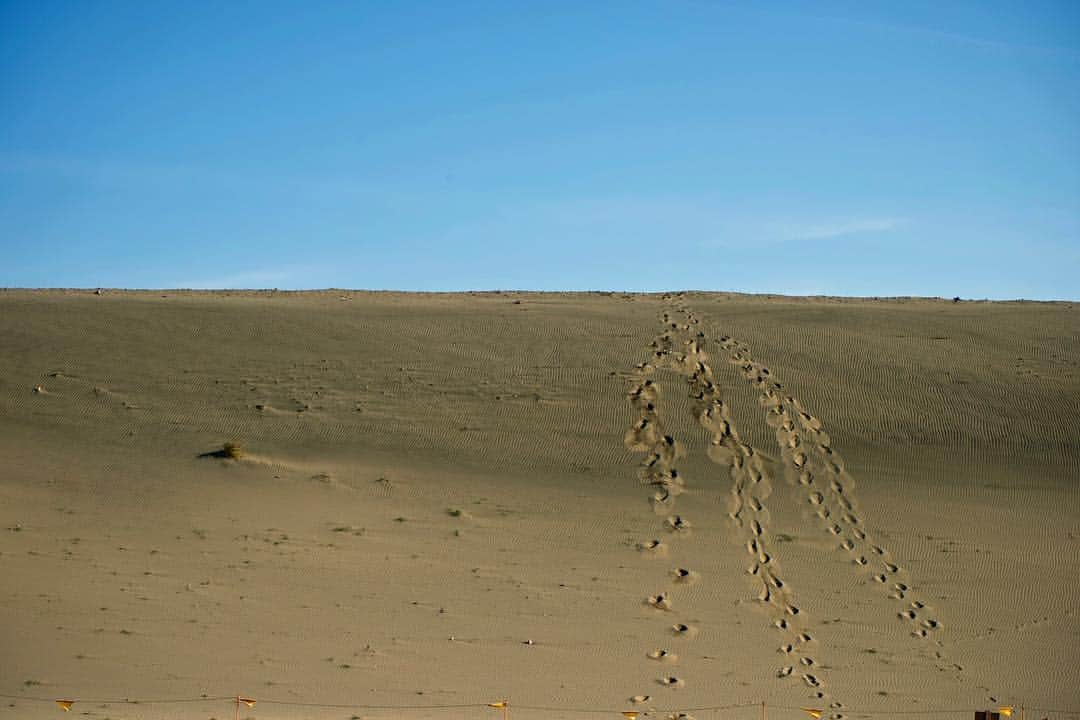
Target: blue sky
851, 148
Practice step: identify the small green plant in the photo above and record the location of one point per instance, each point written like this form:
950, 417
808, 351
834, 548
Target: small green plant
400, 519
453, 512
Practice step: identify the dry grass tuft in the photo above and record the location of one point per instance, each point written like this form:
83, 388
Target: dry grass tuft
228, 451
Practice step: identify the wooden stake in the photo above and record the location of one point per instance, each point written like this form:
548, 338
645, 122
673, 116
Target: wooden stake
237, 707
762, 710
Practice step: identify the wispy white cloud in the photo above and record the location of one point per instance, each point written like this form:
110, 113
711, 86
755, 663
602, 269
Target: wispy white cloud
841, 228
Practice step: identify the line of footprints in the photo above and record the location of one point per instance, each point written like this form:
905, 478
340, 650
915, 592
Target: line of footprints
658, 471
811, 464
808, 461
679, 349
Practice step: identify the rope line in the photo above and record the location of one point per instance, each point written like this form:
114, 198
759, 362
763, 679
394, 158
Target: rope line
542, 708
124, 701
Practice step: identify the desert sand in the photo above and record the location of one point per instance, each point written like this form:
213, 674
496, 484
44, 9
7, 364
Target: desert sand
571, 502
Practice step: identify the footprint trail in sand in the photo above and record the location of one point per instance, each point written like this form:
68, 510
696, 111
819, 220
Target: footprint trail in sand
679, 350
811, 463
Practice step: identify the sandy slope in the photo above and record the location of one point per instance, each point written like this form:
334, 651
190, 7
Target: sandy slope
429, 481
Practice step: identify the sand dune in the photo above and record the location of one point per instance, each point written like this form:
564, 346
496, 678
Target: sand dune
660, 503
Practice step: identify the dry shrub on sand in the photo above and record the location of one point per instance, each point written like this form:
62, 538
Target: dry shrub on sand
228, 451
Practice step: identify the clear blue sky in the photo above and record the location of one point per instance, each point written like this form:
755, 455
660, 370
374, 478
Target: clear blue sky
854, 148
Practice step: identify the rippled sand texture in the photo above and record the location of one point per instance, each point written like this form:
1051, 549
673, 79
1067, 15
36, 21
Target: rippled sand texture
650, 502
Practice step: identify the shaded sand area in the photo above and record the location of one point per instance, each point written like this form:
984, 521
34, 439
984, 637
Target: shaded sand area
594, 501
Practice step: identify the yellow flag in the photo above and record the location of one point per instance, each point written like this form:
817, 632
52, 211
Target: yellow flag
65, 705
816, 714
630, 714
1006, 710
247, 701
500, 704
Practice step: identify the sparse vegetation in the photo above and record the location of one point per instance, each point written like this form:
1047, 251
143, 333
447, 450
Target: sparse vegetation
453, 512
229, 451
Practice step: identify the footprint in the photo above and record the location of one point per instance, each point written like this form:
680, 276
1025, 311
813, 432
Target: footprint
683, 575
660, 602
720, 453
807, 661
669, 448
652, 546
675, 523
775, 417
784, 671
847, 544
640, 699
683, 630
662, 655
661, 500
672, 681
811, 680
